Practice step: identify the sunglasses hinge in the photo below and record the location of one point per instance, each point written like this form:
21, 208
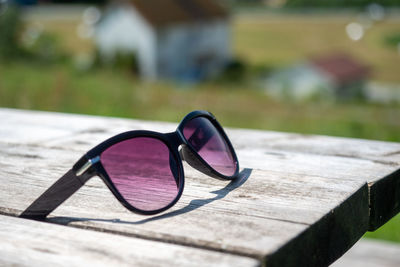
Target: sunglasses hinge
87, 165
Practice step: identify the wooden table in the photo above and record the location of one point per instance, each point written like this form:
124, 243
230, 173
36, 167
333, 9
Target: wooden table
301, 200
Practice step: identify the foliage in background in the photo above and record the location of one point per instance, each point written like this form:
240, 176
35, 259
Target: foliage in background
234, 72
393, 39
17, 42
339, 3
10, 28
30, 2
47, 50
315, 3
122, 60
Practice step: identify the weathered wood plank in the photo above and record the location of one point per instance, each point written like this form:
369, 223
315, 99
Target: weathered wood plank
30, 243
384, 192
379, 151
332, 157
376, 162
82, 132
40, 169
371, 253
44, 127
257, 216
300, 187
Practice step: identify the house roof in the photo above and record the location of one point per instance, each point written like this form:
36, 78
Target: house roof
342, 68
164, 12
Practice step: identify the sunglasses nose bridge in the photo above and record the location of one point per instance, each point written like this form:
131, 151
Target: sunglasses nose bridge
175, 139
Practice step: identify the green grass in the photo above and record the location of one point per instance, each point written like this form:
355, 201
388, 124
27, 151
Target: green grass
115, 93
390, 231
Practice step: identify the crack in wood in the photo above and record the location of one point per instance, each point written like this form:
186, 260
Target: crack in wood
169, 239
392, 153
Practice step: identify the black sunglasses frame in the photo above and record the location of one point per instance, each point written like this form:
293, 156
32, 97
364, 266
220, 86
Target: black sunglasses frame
89, 165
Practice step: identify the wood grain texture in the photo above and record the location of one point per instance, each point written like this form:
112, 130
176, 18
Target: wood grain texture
299, 200
253, 216
376, 162
371, 253
332, 157
30, 243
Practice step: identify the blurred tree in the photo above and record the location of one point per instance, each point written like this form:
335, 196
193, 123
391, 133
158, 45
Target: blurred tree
235, 71
98, 2
43, 48
25, 2
339, 3
10, 28
46, 49
393, 39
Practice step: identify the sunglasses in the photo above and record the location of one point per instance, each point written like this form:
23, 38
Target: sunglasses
143, 169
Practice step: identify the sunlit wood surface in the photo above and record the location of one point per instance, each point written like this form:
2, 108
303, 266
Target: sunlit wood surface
301, 200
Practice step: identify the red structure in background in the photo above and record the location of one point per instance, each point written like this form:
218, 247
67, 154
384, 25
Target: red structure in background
342, 68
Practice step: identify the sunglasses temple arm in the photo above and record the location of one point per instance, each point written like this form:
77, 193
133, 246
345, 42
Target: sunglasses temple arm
53, 197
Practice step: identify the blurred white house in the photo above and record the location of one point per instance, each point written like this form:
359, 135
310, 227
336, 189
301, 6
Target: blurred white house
178, 39
330, 76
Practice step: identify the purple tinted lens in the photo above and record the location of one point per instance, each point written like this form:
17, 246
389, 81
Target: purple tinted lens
210, 145
144, 172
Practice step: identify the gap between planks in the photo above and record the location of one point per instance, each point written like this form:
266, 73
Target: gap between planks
31, 243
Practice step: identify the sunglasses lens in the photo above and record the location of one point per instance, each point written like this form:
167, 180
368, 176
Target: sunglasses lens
207, 141
143, 171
